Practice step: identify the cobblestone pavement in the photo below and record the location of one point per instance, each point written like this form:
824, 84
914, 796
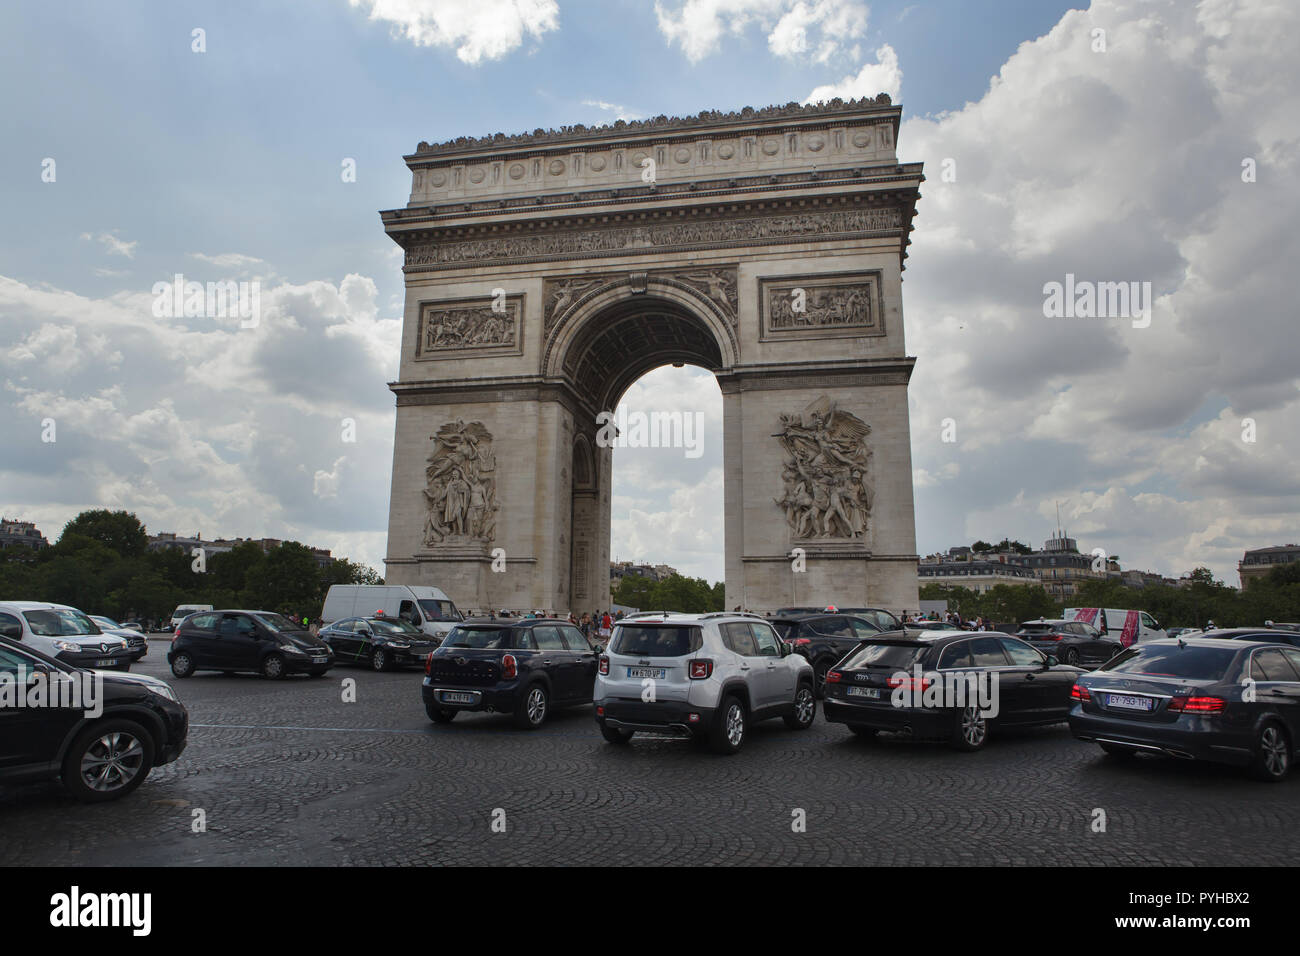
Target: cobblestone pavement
287, 773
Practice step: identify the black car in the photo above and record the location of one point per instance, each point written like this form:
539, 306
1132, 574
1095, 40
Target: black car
1266, 634
102, 743
823, 639
261, 641
884, 620
523, 668
947, 685
1070, 642
379, 642
1211, 697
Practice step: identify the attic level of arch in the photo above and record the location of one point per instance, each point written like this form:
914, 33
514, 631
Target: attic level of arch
857, 175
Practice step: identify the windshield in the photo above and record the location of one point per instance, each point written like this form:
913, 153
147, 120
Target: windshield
386, 626
60, 622
894, 656
439, 610
647, 641
1190, 661
483, 638
278, 622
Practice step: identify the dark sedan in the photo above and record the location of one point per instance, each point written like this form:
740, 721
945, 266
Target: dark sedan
1268, 635
952, 686
379, 642
523, 668
1215, 697
823, 639
1070, 642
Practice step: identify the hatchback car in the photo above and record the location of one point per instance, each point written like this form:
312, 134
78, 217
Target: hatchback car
707, 677
261, 641
823, 639
1070, 642
64, 633
524, 668
379, 642
1210, 697
952, 686
100, 752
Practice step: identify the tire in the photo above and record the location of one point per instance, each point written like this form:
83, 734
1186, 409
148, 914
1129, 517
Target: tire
441, 715
730, 726
380, 660
182, 664
107, 760
820, 670
533, 707
272, 667
1271, 756
1071, 657
1121, 753
970, 730
615, 736
866, 733
805, 709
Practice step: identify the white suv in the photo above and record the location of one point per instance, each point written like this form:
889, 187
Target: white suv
64, 633
704, 676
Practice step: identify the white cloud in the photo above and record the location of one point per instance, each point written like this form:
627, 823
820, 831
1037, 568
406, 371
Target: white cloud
620, 112
114, 245
817, 30
478, 29
883, 76
228, 260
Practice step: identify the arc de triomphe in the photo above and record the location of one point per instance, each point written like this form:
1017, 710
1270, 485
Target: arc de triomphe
546, 272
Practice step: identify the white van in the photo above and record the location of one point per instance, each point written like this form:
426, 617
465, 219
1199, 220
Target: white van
185, 610
1124, 624
427, 608
65, 634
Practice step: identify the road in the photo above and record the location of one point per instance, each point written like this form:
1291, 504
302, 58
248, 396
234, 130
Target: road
288, 773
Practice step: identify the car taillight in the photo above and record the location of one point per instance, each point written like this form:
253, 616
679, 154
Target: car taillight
911, 683
509, 668
1079, 692
800, 641
428, 664
700, 670
604, 664
1198, 705
834, 677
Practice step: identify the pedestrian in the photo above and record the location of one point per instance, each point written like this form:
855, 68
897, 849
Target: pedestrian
606, 625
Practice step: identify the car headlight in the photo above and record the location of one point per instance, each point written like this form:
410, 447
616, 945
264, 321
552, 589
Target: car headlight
164, 689
67, 646
292, 649
399, 645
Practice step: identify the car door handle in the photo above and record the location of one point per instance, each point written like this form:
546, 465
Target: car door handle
744, 667
546, 662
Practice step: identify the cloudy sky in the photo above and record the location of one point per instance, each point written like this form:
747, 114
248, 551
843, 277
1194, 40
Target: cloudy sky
1163, 150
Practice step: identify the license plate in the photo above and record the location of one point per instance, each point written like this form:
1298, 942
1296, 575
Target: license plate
872, 692
1125, 702
457, 697
654, 673
108, 663
319, 660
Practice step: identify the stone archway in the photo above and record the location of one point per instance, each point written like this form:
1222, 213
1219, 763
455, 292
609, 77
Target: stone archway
546, 272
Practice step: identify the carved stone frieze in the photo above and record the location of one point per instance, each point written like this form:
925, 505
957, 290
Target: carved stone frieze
453, 328
460, 486
826, 473
820, 306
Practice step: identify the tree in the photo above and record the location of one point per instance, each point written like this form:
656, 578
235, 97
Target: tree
289, 581
120, 531
981, 546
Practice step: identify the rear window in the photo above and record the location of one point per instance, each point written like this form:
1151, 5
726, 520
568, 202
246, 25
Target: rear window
655, 641
1192, 662
483, 638
1037, 628
894, 656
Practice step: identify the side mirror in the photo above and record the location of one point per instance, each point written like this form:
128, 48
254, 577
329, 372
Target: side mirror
786, 649
1052, 661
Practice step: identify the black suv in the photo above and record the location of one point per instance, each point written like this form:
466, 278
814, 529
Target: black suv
523, 668
261, 641
823, 639
103, 743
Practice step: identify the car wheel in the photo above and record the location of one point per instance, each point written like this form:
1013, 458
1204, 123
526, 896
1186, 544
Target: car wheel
182, 665
107, 760
867, 733
614, 735
730, 725
820, 671
273, 667
380, 661
805, 709
441, 715
970, 729
1071, 656
1272, 754
531, 710
1114, 750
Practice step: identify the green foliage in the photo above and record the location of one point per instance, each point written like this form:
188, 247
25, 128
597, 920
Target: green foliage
100, 564
673, 593
1003, 603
